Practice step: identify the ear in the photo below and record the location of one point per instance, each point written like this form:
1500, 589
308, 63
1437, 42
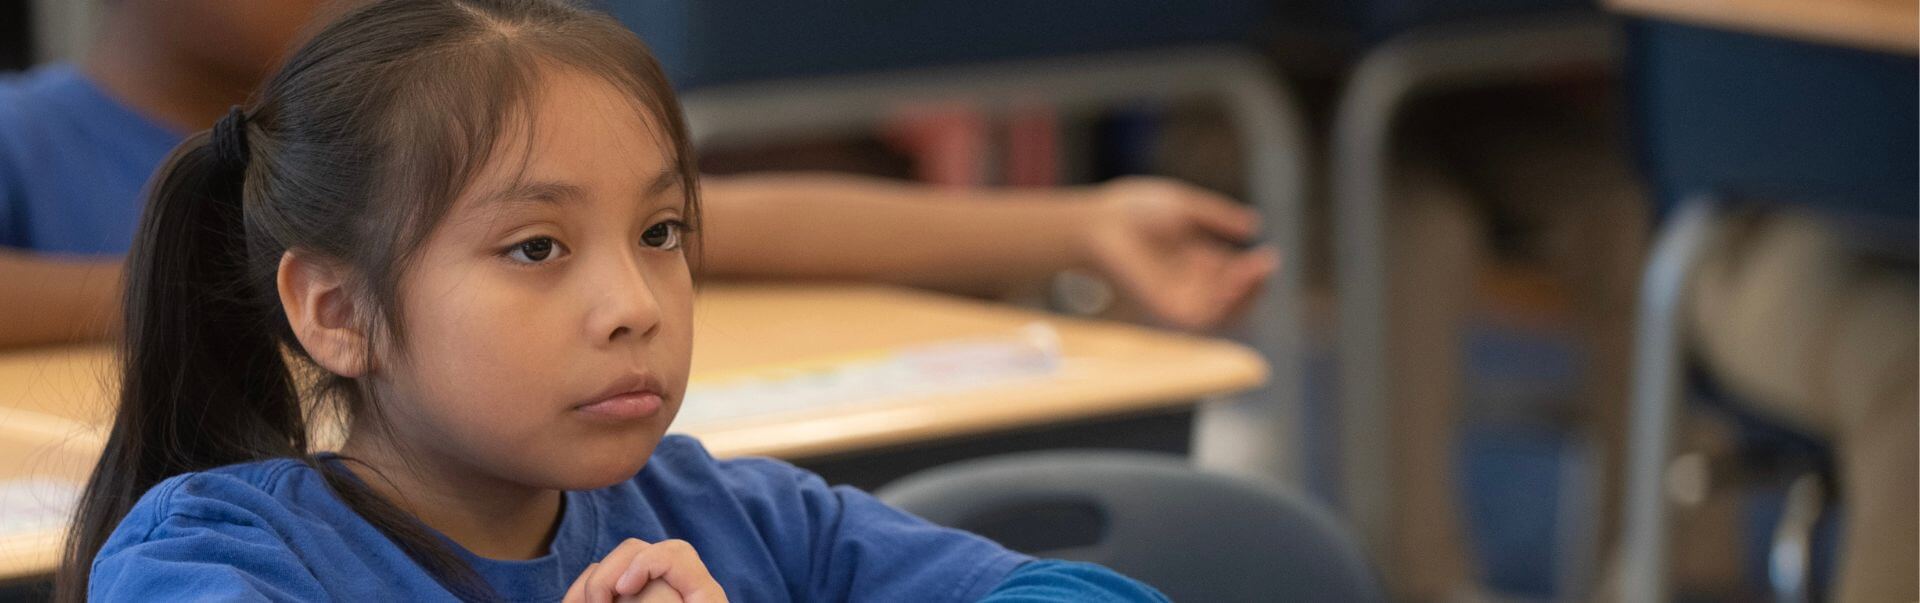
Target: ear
323, 313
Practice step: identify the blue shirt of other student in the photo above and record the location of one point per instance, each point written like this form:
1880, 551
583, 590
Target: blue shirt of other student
73, 162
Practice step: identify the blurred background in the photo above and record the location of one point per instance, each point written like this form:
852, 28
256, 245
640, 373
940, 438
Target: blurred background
1577, 301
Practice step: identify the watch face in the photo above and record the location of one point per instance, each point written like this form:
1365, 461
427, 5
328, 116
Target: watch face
1081, 293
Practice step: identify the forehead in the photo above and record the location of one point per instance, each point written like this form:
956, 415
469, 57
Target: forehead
574, 109
582, 130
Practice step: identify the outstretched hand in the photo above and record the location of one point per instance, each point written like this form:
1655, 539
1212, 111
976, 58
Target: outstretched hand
1177, 250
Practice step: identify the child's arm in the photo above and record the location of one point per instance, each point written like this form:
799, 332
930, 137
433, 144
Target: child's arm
188, 558
52, 300
1170, 246
841, 544
1162, 242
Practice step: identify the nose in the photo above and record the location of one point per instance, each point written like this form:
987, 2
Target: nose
623, 306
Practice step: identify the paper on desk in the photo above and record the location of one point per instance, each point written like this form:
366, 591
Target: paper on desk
908, 372
33, 505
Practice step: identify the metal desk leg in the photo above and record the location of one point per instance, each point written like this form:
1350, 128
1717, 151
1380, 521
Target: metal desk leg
1386, 79
1659, 366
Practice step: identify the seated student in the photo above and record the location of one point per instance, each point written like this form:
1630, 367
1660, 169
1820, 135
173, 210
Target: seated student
76, 145
473, 224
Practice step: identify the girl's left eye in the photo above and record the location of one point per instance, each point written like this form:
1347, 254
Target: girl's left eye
665, 235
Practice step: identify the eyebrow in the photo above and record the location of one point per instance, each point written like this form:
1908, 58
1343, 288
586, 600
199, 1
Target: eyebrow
553, 192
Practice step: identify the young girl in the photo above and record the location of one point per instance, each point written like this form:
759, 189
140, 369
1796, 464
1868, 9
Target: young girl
470, 226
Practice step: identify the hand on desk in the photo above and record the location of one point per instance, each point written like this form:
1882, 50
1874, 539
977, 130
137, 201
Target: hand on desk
1176, 250
662, 572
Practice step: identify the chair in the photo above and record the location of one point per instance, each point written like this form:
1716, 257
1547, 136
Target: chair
1429, 57
1195, 535
1727, 120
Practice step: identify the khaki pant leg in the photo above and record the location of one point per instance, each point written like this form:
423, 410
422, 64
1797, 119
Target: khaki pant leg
1436, 247
1795, 324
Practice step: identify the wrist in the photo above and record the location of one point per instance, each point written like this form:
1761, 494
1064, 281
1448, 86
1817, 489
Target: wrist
1093, 221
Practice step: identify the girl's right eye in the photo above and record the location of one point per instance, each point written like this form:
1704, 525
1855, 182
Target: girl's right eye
535, 250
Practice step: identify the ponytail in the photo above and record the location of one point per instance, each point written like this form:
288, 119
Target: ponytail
203, 383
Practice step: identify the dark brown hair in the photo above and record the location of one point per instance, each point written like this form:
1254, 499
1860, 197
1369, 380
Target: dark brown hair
352, 152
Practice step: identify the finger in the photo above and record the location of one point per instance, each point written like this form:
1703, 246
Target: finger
1197, 288
1254, 265
656, 591
1219, 285
1237, 308
676, 563
672, 561
578, 592
1244, 283
600, 581
1221, 216
1129, 264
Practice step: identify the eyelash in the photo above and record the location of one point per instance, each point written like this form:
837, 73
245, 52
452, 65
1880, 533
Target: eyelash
517, 252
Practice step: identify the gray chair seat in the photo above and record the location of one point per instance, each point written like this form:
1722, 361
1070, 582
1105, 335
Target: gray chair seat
1196, 536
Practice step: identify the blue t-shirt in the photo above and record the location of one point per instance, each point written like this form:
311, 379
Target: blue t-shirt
766, 530
73, 162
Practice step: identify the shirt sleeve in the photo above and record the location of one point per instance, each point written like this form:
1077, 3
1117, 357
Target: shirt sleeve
842, 544
1062, 581
158, 554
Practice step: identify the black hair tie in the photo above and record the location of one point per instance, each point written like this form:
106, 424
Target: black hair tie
230, 139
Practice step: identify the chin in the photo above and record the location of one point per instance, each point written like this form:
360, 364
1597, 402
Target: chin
605, 463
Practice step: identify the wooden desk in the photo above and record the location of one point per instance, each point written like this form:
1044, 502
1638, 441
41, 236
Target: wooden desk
73, 382
1883, 25
1108, 370
41, 451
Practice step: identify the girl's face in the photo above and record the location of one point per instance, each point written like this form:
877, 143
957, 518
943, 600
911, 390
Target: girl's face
548, 317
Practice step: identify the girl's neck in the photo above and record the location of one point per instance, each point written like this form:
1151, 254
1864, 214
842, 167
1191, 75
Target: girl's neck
490, 517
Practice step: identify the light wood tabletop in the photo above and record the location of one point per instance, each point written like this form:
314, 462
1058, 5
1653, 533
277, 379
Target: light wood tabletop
43, 462
1882, 25
61, 397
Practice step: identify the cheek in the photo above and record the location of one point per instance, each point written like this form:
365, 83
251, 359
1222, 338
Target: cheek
496, 342
482, 357
677, 320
